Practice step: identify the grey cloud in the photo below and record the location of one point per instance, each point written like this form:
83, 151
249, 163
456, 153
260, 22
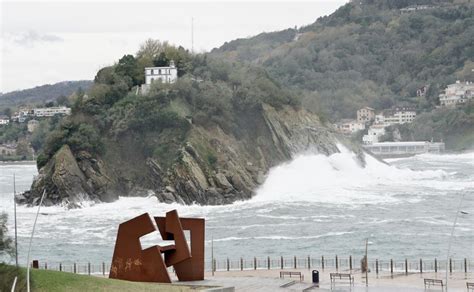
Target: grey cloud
30, 38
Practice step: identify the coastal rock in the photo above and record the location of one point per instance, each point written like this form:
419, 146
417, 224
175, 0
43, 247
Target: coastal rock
212, 167
69, 182
222, 181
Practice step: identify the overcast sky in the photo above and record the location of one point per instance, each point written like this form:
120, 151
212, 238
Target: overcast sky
47, 42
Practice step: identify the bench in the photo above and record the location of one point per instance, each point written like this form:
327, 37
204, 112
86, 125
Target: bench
433, 282
289, 273
470, 286
339, 276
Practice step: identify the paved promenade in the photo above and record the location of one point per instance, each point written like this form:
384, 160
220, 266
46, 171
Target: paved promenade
269, 280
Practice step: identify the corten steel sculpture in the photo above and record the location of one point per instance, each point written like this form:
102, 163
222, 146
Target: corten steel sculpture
132, 263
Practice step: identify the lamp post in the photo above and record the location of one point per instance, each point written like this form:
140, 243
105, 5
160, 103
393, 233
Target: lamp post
31, 241
366, 262
458, 210
14, 214
212, 255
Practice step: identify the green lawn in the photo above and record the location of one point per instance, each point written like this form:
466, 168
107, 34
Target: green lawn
52, 281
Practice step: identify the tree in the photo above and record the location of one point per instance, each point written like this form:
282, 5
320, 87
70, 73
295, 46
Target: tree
22, 148
161, 60
6, 243
149, 50
62, 100
128, 67
8, 112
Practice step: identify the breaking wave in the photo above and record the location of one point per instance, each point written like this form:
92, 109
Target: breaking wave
340, 178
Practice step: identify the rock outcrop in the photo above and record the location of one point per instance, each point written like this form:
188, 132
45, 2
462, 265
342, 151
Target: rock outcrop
213, 166
69, 180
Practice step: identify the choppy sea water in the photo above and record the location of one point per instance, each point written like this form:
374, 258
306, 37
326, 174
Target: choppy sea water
313, 205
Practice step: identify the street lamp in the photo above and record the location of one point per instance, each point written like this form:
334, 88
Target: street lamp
458, 210
31, 241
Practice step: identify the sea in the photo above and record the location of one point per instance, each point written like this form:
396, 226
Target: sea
314, 205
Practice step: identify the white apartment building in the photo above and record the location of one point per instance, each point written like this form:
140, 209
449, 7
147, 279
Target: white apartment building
349, 126
51, 111
374, 133
165, 74
399, 116
457, 93
4, 120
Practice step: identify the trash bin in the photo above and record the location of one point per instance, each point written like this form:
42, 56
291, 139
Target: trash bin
315, 276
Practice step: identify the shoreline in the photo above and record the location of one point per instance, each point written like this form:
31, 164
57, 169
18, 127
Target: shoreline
14, 162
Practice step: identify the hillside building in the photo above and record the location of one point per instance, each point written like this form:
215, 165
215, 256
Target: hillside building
421, 92
349, 126
21, 115
399, 116
365, 115
4, 120
7, 150
374, 134
404, 149
457, 93
51, 111
415, 8
164, 74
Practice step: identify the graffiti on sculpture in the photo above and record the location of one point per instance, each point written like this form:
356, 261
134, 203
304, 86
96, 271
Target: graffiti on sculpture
131, 262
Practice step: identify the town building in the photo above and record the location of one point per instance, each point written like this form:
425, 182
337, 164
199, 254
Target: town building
51, 111
7, 149
399, 116
415, 8
164, 74
421, 92
457, 93
21, 115
374, 133
379, 119
365, 115
32, 125
349, 126
4, 120
403, 149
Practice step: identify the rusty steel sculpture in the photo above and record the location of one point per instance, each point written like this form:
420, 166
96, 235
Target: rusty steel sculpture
131, 262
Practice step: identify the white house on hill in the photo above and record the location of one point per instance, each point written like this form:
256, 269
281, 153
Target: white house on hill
165, 74
457, 93
4, 120
375, 132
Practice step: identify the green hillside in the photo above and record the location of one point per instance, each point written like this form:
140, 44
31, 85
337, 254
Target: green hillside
42, 94
369, 53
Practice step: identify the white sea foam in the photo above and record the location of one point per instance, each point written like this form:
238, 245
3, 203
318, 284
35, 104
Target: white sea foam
341, 179
280, 237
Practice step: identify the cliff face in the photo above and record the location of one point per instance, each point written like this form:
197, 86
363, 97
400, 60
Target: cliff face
212, 167
69, 179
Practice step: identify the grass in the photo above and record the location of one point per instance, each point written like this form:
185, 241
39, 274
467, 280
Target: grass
53, 281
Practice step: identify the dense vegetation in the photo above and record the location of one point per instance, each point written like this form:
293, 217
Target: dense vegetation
368, 54
209, 92
6, 243
7, 276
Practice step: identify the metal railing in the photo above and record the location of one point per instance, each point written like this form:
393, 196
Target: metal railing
343, 264
278, 263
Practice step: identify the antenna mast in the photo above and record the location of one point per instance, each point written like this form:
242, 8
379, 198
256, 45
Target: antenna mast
192, 35
14, 211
